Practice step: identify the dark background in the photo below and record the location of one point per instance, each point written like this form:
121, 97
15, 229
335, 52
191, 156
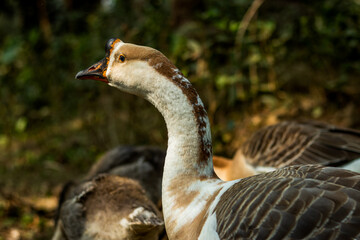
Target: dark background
254, 63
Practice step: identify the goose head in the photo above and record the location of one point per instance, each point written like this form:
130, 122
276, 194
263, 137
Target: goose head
146, 72
129, 67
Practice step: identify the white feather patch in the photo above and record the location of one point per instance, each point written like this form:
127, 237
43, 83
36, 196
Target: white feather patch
262, 169
208, 231
354, 166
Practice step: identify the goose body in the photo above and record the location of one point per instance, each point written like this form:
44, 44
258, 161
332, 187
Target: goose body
293, 143
116, 200
300, 202
108, 207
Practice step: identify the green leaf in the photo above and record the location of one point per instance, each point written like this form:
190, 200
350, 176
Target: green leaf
20, 125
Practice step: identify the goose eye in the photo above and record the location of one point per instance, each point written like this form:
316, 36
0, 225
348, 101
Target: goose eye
122, 58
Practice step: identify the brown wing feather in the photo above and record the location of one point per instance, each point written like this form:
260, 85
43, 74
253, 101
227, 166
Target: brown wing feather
292, 203
292, 143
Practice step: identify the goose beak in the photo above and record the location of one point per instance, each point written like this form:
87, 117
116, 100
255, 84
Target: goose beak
95, 72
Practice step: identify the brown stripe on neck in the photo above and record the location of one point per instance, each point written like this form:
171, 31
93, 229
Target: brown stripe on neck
162, 65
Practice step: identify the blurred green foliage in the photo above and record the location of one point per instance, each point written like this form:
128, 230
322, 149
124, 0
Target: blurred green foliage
291, 59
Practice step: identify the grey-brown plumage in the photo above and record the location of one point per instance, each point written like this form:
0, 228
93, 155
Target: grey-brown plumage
104, 200
142, 163
291, 143
298, 202
109, 207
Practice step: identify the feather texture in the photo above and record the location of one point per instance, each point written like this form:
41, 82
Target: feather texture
292, 203
292, 143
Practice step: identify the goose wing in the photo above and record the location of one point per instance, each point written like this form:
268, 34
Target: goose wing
297, 202
307, 142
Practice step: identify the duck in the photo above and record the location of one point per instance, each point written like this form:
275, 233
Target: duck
290, 143
123, 186
108, 207
295, 202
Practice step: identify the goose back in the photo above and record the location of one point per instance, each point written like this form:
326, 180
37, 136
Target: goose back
306, 142
292, 203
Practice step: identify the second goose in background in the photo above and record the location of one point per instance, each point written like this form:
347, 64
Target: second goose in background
292, 143
118, 199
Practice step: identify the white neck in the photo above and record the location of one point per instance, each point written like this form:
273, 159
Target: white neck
187, 140
188, 164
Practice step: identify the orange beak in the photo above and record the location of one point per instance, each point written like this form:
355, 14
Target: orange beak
95, 72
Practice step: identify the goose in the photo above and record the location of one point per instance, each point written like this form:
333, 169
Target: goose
108, 207
123, 186
295, 202
291, 143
